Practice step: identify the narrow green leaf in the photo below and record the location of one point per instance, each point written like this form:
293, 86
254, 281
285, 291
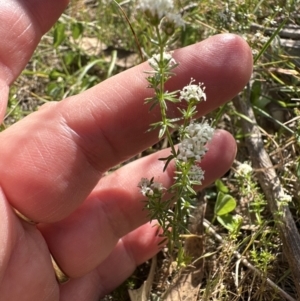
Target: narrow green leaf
169, 159
298, 170
268, 43
264, 113
162, 131
55, 74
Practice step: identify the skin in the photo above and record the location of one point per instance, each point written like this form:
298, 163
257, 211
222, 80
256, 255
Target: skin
52, 163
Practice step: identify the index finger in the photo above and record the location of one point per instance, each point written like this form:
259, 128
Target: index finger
56, 156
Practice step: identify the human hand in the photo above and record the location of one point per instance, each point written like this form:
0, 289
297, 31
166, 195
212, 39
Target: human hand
52, 162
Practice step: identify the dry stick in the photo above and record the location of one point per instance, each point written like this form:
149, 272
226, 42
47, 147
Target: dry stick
272, 188
209, 228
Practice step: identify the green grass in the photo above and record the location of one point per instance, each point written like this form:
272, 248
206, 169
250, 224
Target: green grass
64, 65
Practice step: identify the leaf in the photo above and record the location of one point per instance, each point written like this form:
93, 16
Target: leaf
230, 222
264, 113
55, 74
255, 92
268, 43
69, 58
225, 204
59, 34
221, 186
298, 170
54, 90
227, 222
168, 160
162, 131
77, 30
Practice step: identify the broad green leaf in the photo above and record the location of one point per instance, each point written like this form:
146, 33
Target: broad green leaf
230, 222
225, 204
221, 186
227, 222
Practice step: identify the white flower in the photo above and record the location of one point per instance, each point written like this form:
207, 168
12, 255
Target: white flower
144, 185
193, 92
156, 186
243, 169
196, 173
284, 197
149, 188
198, 134
157, 8
176, 19
167, 58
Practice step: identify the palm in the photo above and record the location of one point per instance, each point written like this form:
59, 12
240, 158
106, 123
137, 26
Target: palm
51, 164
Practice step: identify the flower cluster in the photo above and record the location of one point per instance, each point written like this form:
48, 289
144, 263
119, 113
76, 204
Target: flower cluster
193, 146
176, 19
243, 169
193, 92
167, 61
284, 197
196, 173
156, 10
149, 188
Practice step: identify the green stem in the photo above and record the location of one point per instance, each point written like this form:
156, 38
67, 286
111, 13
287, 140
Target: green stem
161, 92
180, 192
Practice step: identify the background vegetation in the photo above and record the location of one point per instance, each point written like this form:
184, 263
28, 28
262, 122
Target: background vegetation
93, 41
